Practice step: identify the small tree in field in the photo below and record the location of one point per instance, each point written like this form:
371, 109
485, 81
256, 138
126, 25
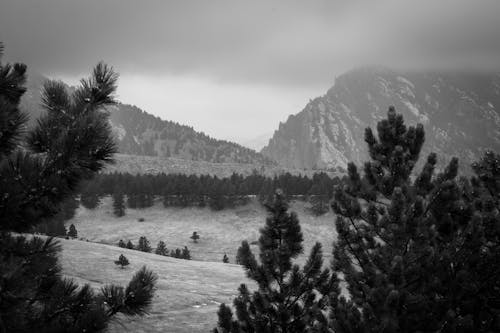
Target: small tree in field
288, 298
122, 261
195, 237
130, 245
186, 254
72, 231
118, 203
143, 245
225, 259
122, 244
161, 249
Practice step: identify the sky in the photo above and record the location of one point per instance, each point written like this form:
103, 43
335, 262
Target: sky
234, 69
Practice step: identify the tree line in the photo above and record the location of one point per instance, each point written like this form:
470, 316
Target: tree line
179, 190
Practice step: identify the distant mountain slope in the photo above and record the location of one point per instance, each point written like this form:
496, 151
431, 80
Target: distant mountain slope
140, 133
459, 111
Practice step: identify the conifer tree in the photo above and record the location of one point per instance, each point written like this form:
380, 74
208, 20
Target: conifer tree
122, 244
161, 249
288, 298
186, 254
195, 237
130, 245
72, 231
225, 259
418, 254
118, 203
242, 251
89, 195
38, 171
122, 261
143, 245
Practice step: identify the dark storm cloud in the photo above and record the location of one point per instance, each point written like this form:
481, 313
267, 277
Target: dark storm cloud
270, 42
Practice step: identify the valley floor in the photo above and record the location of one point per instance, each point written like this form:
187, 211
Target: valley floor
189, 291
220, 231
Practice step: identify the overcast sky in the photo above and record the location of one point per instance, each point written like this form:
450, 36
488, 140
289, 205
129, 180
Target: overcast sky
235, 69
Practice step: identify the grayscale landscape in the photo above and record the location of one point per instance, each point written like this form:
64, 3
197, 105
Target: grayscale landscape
272, 166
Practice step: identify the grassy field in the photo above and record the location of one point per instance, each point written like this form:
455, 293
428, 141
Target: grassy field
221, 232
188, 292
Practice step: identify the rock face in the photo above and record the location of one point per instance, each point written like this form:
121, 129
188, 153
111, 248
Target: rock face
140, 133
460, 113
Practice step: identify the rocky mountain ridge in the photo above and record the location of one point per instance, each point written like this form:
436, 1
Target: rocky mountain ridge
459, 111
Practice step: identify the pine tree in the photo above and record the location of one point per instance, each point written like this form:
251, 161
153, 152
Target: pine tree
225, 259
243, 250
122, 244
130, 245
122, 261
118, 203
89, 195
288, 298
418, 254
195, 237
143, 245
72, 231
161, 249
39, 170
186, 254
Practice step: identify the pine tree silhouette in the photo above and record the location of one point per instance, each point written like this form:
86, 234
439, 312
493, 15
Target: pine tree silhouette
72, 231
288, 298
418, 254
39, 170
122, 261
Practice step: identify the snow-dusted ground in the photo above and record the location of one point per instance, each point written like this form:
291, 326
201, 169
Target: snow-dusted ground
220, 232
188, 292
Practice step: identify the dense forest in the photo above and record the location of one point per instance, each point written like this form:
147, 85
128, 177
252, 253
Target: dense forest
180, 190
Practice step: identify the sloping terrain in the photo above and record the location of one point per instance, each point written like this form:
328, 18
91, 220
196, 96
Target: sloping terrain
140, 133
459, 111
220, 231
188, 292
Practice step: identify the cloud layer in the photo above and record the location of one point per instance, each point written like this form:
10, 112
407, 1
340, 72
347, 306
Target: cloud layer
250, 63
283, 42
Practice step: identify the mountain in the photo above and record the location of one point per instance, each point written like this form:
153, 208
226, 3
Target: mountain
459, 111
258, 142
140, 133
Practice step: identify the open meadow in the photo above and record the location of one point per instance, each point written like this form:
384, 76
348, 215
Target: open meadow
188, 292
220, 231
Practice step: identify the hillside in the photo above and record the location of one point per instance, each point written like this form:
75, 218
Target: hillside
220, 231
188, 292
460, 113
140, 133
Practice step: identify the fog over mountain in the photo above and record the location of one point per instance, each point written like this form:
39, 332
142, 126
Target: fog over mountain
251, 63
459, 112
